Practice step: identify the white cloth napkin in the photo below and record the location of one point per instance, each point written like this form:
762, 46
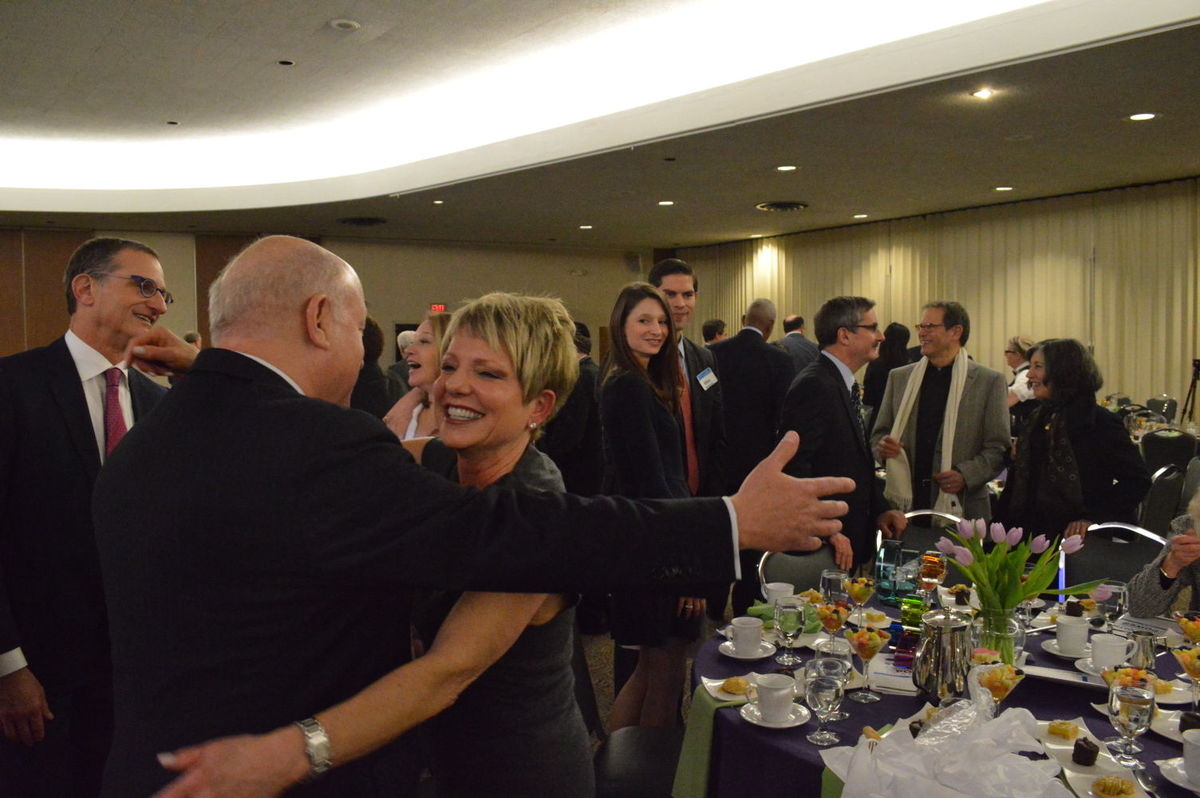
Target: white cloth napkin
981, 762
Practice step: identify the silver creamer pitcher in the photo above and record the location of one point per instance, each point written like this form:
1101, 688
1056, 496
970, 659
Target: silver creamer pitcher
943, 655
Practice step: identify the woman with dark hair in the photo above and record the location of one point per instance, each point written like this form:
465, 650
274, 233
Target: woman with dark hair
644, 458
893, 353
1075, 464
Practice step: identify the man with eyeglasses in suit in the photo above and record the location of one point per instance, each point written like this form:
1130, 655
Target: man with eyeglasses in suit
63, 408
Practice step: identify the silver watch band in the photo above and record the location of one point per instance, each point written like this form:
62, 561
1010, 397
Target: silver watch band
316, 746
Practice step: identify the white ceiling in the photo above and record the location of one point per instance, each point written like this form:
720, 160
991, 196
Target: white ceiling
883, 132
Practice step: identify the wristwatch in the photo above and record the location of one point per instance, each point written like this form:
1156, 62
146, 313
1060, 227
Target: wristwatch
316, 746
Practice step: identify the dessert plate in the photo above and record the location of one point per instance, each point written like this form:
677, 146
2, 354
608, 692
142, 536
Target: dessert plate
1172, 770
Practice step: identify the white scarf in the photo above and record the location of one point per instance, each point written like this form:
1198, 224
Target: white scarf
898, 488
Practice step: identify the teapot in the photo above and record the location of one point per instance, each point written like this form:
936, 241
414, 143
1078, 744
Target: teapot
943, 655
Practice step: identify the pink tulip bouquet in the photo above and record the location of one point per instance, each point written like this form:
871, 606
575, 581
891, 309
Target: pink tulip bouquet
999, 575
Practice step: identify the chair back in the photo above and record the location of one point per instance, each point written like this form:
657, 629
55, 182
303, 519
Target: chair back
1161, 501
1191, 484
1165, 405
802, 570
1162, 447
924, 529
1114, 551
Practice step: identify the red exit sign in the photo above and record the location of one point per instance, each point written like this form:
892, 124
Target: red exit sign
436, 308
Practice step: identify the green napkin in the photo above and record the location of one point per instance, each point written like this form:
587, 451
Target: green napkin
691, 775
766, 612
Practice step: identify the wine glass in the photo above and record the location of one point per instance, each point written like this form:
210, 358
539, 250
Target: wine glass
932, 571
866, 643
1130, 709
859, 589
1188, 658
832, 585
824, 696
1113, 607
837, 649
789, 620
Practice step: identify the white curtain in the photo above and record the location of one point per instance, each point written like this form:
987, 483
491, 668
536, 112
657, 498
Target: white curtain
1115, 269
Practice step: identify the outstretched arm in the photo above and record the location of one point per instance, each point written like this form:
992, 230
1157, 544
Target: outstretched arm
480, 628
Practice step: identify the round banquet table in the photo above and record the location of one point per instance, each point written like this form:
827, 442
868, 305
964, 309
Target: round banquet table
748, 760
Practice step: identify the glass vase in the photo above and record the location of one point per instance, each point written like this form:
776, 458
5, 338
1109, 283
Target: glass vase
1002, 631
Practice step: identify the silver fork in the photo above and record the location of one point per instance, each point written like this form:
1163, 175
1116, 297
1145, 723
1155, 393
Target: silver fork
1143, 778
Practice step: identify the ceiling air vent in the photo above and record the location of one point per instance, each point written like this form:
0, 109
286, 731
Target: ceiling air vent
781, 206
363, 221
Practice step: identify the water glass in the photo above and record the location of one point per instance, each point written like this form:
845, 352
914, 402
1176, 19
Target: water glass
789, 621
823, 695
833, 587
1113, 607
1130, 709
837, 648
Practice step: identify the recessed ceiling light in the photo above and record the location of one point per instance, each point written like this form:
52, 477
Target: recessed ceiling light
983, 94
286, 62
439, 202
757, 235
860, 216
665, 202
1142, 117
785, 168
585, 227
172, 122
347, 25
1004, 188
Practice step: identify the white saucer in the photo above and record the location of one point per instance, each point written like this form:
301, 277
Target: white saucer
764, 650
1050, 646
1085, 664
1172, 770
798, 716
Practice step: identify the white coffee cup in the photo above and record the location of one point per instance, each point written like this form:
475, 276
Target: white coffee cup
746, 634
777, 590
1191, 755
773, 693
1072, 633
1109, 651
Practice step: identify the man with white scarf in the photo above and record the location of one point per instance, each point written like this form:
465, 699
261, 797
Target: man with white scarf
943, 396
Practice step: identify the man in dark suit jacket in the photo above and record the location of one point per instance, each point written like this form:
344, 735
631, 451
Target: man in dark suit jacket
572, 438
800, 349
55, 679
756, 377
273, 584
703, 418
824, 405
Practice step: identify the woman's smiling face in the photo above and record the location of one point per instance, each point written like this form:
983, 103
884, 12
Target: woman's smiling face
646, 329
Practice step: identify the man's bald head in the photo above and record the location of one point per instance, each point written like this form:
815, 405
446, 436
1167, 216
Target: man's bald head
265, 287
297, 306
760, 314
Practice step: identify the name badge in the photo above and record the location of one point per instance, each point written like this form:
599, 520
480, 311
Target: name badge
706, 379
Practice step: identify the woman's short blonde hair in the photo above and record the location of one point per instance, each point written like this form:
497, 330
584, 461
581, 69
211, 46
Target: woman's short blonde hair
537, 333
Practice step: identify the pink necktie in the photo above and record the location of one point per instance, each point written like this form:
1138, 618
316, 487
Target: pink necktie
114, 419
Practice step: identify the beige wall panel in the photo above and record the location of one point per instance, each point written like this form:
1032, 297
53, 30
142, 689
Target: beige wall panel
401, 280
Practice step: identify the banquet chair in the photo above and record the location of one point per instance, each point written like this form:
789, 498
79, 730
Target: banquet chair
638, 762
1161, 501
1162, 447
1191, 484
924, 528
1113, 550
801, 570
1163, 404
1128, 409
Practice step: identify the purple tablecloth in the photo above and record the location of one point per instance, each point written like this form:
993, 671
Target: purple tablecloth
751, 761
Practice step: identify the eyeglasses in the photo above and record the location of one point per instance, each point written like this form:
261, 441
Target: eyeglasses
871, 327
927, 327
145, 285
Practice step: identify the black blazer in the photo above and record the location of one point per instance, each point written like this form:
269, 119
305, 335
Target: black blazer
572, 438
643, 442
51, 599
756, 377
270, 582
833, 444
708, 423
